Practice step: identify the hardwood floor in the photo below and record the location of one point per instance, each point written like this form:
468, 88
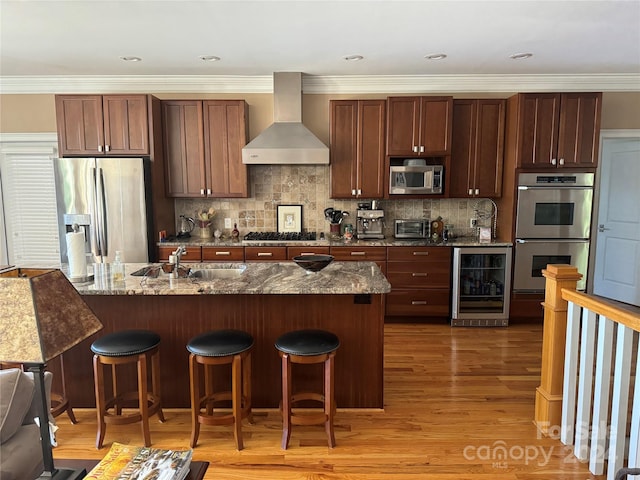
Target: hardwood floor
459, 404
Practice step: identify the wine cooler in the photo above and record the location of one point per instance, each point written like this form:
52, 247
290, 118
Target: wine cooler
481, 286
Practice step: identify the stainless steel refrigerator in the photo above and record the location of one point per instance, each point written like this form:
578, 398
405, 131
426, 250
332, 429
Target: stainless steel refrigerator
108, 199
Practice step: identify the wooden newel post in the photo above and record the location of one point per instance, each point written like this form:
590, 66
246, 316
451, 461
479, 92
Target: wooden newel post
548, 412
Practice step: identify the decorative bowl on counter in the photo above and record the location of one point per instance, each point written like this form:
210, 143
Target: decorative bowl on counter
313, 263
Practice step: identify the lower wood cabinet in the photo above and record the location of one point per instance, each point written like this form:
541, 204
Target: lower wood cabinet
420, 280
361, 254
223, 254
191, 255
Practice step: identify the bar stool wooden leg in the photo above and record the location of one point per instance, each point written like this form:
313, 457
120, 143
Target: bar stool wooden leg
114, 383
329, 401
286, 401
236, 394
155, 382
194, 379
143, 405
246, 386
100, 400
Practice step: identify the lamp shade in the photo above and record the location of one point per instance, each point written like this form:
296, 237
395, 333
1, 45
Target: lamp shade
41, 316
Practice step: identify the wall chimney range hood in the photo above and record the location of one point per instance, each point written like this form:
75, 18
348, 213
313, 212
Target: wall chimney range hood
287, 140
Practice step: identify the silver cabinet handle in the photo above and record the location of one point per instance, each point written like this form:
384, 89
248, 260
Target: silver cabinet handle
477, 191
419, 274
562, 161
553, 161
601, 228
99, 148
107, 148
310, 253
353, 192
471, 191
358, 254
226, 254
265, 254
415, 149
420, 253
418, 302
208, 191
359, 192
421, 148
202, 191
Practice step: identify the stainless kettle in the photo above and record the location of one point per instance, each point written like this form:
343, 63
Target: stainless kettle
187, 224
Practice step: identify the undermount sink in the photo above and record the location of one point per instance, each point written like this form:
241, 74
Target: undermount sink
213, 273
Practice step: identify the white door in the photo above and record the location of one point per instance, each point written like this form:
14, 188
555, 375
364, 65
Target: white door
617, 262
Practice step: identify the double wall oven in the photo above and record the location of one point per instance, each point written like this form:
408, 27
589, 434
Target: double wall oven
553, 221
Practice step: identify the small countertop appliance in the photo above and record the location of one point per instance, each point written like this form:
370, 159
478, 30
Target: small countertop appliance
369, 223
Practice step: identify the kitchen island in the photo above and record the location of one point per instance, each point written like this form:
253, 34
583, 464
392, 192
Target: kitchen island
265, 299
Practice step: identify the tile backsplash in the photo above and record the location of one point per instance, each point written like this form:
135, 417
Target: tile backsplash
272, 185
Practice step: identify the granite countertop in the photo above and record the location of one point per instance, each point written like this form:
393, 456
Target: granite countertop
337, 242
264, 278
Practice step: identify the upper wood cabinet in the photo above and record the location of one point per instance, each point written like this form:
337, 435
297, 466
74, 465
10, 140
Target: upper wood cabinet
203, 143
477, 151
103, 125
419, 126
557, 130
356, 132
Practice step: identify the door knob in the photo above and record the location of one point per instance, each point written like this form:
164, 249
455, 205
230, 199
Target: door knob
601, 228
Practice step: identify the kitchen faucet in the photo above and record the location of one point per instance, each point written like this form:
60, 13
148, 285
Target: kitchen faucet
174, 259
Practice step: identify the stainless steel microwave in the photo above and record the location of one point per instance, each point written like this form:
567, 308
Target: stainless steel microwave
416, 179
418, 228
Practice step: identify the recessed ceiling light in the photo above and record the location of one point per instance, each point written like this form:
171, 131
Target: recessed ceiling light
353, 58
131, 59
209, 58
435, 56
521, 56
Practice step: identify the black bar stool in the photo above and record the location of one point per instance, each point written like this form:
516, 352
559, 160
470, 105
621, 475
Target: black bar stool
308, 347
129, 346
220, 347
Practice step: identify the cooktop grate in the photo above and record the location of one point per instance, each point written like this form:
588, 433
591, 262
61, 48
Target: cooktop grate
280, 237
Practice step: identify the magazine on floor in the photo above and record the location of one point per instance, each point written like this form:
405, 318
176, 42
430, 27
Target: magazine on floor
129, 462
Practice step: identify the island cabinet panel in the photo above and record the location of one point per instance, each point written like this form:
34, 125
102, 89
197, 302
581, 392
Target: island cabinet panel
191, 255
477, 152
178, 318
357, 133
556, 130
420, 280
253, 254
222, 254
103, 125
419, 126
297, 251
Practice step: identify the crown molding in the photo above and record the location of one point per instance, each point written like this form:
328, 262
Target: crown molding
348, 84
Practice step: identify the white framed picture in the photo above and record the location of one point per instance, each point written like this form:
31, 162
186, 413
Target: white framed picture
289, 218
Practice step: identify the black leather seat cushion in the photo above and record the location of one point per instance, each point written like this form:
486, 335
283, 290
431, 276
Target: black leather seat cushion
220, 343
126, 342
307, 342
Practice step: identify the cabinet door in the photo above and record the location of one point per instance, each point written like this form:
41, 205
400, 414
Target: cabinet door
435, 125
191, 255
343, 139
222, 254
403, 122
579, 131
225, 134
463, 149
183, 148
538, 118
370, 167
126, 126
489, 148
80, 125
261, 254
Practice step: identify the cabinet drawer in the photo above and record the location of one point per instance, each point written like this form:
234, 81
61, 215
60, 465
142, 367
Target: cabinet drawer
223, 254
297, 251
191, 255
416, 277
363, 254
413, 302
252, 254
418, 254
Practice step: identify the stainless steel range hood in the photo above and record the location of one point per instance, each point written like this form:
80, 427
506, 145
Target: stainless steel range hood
287, 140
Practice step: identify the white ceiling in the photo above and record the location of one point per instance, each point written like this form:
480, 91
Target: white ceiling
42, 39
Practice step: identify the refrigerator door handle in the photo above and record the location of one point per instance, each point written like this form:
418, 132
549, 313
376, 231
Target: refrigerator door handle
102, 214
93, 206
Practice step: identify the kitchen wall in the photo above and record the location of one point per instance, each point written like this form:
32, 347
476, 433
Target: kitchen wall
308, 186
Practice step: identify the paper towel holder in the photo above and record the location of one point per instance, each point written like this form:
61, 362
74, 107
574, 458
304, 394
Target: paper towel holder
75, 228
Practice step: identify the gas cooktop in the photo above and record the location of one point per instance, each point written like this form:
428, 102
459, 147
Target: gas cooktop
280, 237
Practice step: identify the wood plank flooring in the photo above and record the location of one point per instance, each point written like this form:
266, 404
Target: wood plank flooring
459, 404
